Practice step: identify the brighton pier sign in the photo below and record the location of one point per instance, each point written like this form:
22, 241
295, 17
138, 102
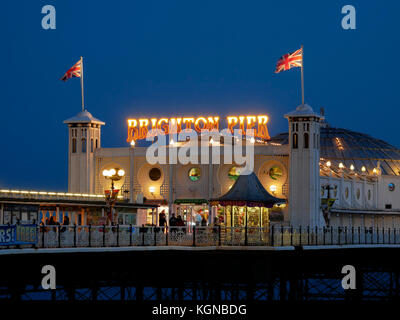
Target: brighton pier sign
141, 128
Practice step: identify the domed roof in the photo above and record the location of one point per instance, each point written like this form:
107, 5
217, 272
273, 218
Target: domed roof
84, 117
303, 110
349, 147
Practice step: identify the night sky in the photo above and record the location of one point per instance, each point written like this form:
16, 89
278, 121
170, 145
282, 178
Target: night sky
168, 58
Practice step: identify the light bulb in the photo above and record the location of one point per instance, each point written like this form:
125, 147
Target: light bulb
106, 173
272, 188
351, 167
341, 166
328, 163
121, 172
112, 172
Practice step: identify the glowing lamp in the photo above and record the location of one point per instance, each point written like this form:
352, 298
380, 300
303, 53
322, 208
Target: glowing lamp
133, 143
375, 171
152, 189
351, 167
106, 173
252, 140
121, 172
328, 164
272, 188
341, 166
211, 141
363, 169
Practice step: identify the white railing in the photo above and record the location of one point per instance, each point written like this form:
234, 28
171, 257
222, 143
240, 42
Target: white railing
55, 236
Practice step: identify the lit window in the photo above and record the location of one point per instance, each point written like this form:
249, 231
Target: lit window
194, 174
155, 174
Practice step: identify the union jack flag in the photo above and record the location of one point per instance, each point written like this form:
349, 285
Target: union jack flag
290, 60
75, 71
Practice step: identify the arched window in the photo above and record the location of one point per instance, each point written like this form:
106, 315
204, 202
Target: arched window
295, 141
73, 145
306, 140
91, 145
83, 145
97, 143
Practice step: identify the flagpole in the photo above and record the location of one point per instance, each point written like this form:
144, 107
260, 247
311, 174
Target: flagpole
302, 75
83, 101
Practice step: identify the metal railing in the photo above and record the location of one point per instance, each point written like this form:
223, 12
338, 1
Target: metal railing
122, 236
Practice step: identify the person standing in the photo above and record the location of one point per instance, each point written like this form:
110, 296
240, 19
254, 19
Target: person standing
162, 220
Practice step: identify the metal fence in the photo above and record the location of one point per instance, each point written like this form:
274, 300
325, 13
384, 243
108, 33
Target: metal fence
122, 236
109, 236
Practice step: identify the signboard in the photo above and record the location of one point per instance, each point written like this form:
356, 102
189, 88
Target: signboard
139, 128
18, 234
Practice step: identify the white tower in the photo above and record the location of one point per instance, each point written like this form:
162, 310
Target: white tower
84, 139
304, 178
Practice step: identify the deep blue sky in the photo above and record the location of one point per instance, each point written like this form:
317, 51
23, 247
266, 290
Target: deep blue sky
163, 58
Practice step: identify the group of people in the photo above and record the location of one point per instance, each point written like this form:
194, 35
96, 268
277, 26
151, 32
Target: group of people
178, 221
52, 222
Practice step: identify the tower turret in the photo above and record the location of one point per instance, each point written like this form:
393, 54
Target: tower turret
304, 179
84, 139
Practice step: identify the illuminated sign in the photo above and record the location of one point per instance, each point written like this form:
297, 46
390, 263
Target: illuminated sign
140, 128
18, 234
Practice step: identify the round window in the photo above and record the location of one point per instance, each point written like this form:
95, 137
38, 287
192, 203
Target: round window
234, 173
155, 174
346, 192
194, 174
391, 186
358, 193
275, 172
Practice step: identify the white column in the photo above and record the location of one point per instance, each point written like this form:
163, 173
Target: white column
170, 189
131, 173
210, 190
